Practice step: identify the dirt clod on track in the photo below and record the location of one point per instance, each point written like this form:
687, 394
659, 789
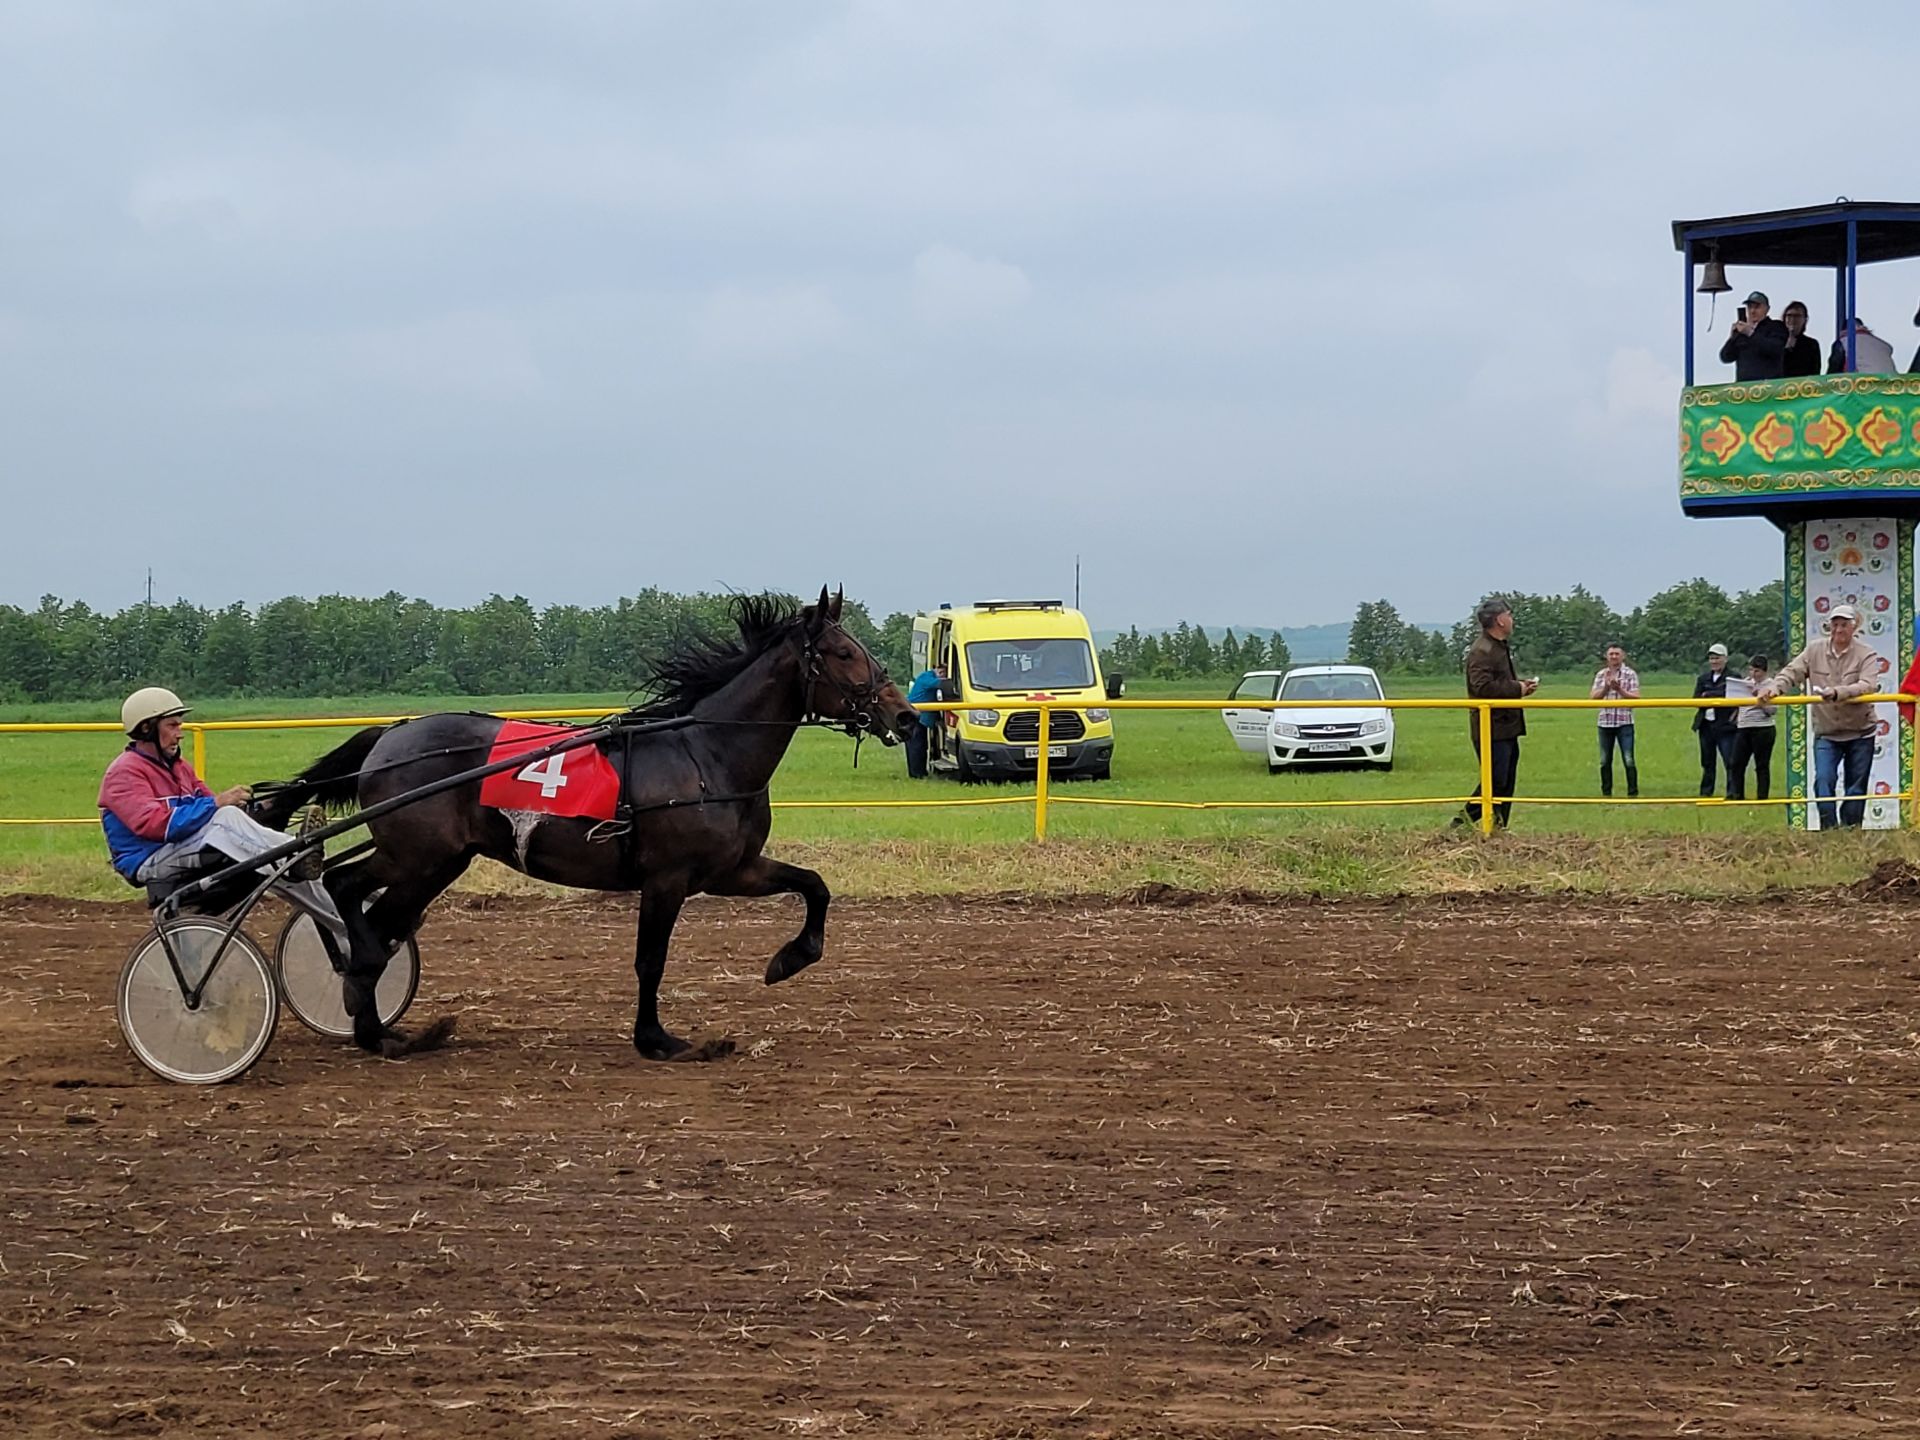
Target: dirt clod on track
1890, 880
995, 1169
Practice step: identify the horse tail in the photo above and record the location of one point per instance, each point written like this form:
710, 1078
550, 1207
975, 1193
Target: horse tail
333, 780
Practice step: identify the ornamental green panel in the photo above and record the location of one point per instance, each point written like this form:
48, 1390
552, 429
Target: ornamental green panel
1849, 436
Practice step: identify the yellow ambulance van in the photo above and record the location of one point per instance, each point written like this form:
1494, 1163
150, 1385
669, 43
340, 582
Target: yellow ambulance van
995, 654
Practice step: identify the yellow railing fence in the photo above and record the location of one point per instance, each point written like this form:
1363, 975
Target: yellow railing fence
1042, 798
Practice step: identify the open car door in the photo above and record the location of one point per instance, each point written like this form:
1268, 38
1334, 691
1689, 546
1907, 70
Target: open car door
1249, 727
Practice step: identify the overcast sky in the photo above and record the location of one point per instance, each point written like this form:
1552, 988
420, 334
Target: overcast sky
1261, 309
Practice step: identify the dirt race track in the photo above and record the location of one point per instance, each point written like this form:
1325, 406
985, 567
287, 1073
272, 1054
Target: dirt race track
996, 1169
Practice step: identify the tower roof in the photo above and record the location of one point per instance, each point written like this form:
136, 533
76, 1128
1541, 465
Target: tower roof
1809, 235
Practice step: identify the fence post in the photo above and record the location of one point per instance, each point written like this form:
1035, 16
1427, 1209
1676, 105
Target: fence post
1486, 769
200, 751
1041, 775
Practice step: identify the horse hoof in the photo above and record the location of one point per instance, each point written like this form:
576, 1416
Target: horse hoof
794, 957
659, 1045
394, 1045
718, 1047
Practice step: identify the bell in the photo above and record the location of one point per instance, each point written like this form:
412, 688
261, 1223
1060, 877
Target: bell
1713, 275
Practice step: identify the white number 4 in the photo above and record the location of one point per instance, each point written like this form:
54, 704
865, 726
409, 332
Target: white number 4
547, 774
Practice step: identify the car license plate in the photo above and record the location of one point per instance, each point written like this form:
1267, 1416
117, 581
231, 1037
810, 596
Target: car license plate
1323, 746
1054, 752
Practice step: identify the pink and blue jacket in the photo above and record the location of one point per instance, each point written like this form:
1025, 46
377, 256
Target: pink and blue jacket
146, 803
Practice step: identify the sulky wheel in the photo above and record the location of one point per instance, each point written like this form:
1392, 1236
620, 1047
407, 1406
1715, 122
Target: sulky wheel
312, 986
220, 1036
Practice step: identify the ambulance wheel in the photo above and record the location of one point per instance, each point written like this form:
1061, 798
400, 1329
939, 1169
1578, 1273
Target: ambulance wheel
216, 1039
312, 986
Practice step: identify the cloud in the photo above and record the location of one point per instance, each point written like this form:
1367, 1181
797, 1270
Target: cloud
474, 354
1638, 384
952, 288
735, 323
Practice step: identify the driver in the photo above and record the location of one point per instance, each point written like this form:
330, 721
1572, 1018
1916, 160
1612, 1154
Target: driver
158, 813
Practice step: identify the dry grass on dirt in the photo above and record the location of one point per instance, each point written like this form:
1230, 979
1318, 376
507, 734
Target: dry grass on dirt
1327, 862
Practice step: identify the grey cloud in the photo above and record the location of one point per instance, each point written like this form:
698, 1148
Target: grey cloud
1262, 310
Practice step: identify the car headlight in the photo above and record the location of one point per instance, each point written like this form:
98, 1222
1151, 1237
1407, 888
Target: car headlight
983, 717
1097, 717
1286, 731
1373, 727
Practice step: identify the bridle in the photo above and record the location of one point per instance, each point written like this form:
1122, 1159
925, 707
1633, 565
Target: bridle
860, 701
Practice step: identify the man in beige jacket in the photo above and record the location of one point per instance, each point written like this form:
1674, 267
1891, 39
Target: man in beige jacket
1838, 668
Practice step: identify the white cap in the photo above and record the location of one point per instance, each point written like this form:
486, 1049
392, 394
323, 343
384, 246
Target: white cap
1844, 612
1717, 649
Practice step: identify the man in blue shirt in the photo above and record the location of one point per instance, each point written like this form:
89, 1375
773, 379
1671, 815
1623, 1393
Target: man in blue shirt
924, 689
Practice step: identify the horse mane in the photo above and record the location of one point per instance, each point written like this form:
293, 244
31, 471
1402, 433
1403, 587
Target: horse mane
702, 662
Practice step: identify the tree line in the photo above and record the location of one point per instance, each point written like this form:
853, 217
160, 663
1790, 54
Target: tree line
1572, 631
1186, 652
341, 645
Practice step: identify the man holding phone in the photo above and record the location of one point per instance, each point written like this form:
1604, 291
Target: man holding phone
1756, 345
1617, 680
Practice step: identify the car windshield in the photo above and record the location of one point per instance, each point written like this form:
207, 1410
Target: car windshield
1331, 687
1030, 664
1256, 687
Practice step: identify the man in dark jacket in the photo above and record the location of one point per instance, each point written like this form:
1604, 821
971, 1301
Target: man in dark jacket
1716, 725
1490, 676
1756, 346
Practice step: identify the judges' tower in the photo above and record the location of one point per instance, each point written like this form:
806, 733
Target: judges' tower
1833, 460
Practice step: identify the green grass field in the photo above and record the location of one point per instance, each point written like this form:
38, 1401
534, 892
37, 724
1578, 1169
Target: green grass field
1163, 755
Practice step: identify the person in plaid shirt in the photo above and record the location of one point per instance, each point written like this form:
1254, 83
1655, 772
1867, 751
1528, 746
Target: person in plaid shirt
1616, 680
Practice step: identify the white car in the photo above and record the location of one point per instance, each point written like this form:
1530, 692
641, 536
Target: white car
1343, 735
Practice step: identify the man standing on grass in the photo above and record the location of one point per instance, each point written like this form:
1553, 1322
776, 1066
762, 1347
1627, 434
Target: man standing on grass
1714, 724
1490, 676
1753, 739
1839, 669
1617, 681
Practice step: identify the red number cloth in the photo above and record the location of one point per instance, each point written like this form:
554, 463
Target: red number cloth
580, 783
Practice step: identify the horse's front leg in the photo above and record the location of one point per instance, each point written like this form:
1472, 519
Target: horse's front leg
659, 908
761, 876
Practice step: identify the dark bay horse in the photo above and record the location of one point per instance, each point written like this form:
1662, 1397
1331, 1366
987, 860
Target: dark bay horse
695, 791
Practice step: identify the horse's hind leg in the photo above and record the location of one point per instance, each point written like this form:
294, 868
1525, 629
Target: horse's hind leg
659, 909
397, 913
761, 876
374, 931
366, 961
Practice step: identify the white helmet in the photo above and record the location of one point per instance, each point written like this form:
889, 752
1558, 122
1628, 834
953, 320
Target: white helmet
152, 703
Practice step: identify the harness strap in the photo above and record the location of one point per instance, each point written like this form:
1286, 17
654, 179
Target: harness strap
623, 812
622, 827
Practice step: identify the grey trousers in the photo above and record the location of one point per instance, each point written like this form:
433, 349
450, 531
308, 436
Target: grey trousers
238, 836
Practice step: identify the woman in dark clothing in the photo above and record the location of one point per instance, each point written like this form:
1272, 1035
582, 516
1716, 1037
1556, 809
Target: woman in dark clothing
1803, 351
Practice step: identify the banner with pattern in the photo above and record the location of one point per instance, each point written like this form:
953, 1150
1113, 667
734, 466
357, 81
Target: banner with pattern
1840, 433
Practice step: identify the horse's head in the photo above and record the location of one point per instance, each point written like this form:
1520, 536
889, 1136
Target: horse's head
845, 684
